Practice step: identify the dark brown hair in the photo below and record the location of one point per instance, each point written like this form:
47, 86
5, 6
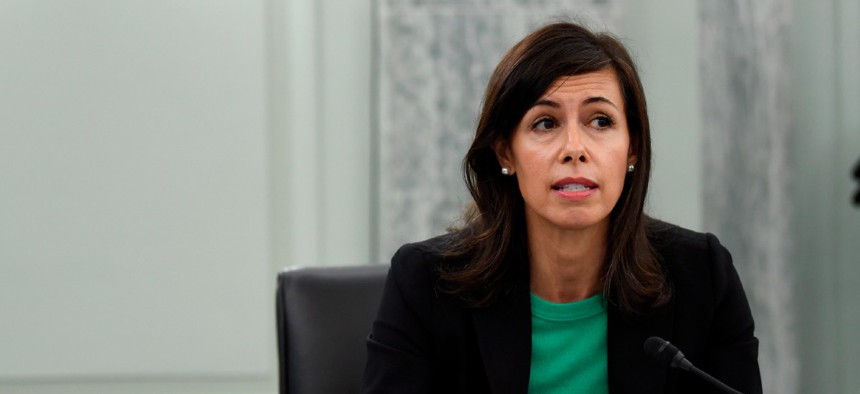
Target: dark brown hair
493, 238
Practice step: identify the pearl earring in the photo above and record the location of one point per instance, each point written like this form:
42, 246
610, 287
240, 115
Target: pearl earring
506, 171
630, 168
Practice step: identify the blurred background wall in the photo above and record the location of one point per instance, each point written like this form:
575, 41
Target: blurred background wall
160, 161
746, 120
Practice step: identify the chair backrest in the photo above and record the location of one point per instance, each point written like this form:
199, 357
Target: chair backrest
324, 316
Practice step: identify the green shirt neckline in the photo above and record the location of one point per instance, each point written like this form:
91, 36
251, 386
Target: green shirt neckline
568, 311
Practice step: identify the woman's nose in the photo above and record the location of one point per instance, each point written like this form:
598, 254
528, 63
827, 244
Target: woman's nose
573, 148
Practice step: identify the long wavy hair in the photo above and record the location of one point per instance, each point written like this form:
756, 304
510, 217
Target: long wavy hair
493, 237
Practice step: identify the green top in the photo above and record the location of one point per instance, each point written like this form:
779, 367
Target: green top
569, 347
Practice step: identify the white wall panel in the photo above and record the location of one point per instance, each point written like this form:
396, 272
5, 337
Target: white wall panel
133, 212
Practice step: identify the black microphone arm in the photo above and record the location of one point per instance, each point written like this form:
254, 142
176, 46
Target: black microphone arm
662, 350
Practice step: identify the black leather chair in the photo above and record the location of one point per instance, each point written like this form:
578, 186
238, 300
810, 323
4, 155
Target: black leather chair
324, 316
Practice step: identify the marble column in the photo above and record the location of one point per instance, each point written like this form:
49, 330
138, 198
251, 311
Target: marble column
746, 113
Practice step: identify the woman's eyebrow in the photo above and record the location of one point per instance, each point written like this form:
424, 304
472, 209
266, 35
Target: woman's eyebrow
599, 99
590, 100
547, 102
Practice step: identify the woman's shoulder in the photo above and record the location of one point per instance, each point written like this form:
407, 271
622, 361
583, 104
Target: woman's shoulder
672, 239
421, 260
432, 248
691, 256
431, 252
415, 277
712, 318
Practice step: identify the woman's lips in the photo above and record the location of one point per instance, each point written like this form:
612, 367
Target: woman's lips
574, 188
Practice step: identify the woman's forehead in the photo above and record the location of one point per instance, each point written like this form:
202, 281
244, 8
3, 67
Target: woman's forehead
602, 83
605, 79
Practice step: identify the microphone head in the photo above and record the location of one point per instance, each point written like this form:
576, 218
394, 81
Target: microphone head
660, 349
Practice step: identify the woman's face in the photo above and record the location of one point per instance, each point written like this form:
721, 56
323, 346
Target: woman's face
570, 152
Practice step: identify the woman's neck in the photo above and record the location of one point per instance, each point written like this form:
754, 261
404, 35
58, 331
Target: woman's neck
566, 265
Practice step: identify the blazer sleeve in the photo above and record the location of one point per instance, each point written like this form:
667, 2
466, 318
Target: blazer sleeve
399, 343
733, 352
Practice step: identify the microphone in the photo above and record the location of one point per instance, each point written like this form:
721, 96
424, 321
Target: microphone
662, 350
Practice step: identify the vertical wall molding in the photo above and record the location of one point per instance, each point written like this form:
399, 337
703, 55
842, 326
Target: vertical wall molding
280, 200
813, 72
302, 172
846, 154
326, 165
344, 122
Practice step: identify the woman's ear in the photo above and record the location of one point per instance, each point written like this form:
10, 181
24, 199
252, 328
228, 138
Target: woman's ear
631, 156
503, 154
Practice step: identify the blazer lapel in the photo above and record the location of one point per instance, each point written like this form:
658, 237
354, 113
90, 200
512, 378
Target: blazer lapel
630, 369
504, 338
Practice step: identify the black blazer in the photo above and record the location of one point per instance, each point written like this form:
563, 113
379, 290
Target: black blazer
427, 341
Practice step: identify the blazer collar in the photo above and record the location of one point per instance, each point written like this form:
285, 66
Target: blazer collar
505, 341
630, 369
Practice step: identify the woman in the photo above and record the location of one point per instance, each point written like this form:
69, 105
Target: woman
557, 277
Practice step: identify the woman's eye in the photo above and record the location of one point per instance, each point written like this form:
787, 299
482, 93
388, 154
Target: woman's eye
601, 122
544, 124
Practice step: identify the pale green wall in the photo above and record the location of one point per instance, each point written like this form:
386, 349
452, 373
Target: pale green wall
134, 222
276, 90
663, 36
825, 147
